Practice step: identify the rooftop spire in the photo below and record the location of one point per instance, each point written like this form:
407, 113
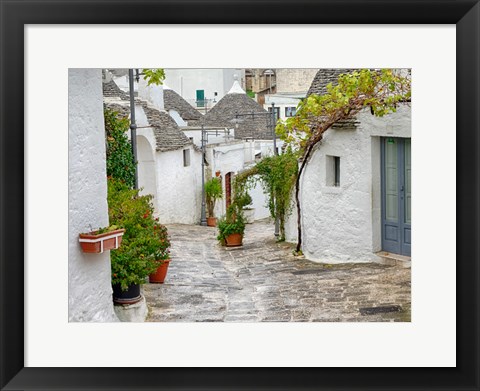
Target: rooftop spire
236, 88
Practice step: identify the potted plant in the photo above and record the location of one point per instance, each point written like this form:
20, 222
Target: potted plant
102, 239
231, 227
134, 260
161, 246
213, 192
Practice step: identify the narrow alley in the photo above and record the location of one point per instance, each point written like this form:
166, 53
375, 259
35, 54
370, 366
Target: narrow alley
263, 282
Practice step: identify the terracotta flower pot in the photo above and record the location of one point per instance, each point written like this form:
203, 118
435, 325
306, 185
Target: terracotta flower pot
233, 240
98, 243
211, 221
159, 276
130, 296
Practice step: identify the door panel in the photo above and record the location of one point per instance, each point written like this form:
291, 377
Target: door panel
406, 243
396, 195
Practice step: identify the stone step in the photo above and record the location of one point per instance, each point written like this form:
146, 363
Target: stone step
386, 258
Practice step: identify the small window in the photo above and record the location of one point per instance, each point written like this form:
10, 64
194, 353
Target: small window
277, 112
333, 171
336, 161
290, 111
186, 157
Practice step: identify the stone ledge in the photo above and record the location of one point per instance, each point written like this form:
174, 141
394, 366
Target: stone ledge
386, 258
132, 312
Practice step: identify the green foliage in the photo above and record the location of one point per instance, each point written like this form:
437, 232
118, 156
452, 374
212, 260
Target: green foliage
119, 149
380, 90
144, 240
243, 200
213, 192
153, 76
277, 174
251, 94
232, 223
103, 230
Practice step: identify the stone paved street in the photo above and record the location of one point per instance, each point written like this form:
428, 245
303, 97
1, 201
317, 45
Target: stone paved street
263, 281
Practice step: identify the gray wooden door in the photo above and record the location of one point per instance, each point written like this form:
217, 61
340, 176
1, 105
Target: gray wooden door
396, 195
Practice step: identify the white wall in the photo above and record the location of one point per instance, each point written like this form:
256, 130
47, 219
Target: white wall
211, 136
342, 224
89, 281
281, 102
187, 81
153, 94
230, 157
178, 188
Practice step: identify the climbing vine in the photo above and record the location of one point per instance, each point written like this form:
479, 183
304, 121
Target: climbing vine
119, 150
277, 175
380, 90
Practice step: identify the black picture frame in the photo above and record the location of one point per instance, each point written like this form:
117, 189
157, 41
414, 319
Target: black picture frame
15, 14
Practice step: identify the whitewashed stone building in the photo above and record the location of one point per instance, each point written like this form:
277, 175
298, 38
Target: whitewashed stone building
89, 281
248, 136
356, 189
169, 164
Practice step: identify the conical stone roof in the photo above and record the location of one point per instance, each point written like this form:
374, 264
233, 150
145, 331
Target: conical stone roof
168, 136
173, 101
236, 101
324, 77
319, 87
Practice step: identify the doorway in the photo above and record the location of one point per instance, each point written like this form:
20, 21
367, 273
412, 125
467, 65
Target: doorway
396, 195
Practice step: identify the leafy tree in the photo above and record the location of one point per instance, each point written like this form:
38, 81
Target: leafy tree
379, 90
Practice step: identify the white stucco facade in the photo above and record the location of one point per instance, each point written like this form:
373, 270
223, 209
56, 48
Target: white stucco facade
179, 187
234, 157
153, 94
343, 223
284, 102
186, 82
89, 275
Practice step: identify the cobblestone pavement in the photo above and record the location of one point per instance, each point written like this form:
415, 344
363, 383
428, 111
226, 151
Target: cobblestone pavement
263, 281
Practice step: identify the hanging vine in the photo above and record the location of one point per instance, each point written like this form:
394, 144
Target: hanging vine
379, 90
277, 175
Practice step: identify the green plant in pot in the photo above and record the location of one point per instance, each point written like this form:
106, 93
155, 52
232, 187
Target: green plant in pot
135, 259
231, 227
160, 246
213, 192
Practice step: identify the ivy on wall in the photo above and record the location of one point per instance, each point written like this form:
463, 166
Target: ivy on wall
119, 149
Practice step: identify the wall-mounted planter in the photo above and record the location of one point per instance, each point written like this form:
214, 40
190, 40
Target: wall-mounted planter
98, 243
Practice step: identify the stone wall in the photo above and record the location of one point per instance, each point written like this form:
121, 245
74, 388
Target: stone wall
342, 224
89, 286
294, 79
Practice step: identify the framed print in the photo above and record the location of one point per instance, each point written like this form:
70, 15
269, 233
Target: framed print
41, 348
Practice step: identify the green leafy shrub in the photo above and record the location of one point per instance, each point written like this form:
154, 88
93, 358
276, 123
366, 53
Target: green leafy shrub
135, 259
230, 224
120, 163
213, 192
243, 200
234, 221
